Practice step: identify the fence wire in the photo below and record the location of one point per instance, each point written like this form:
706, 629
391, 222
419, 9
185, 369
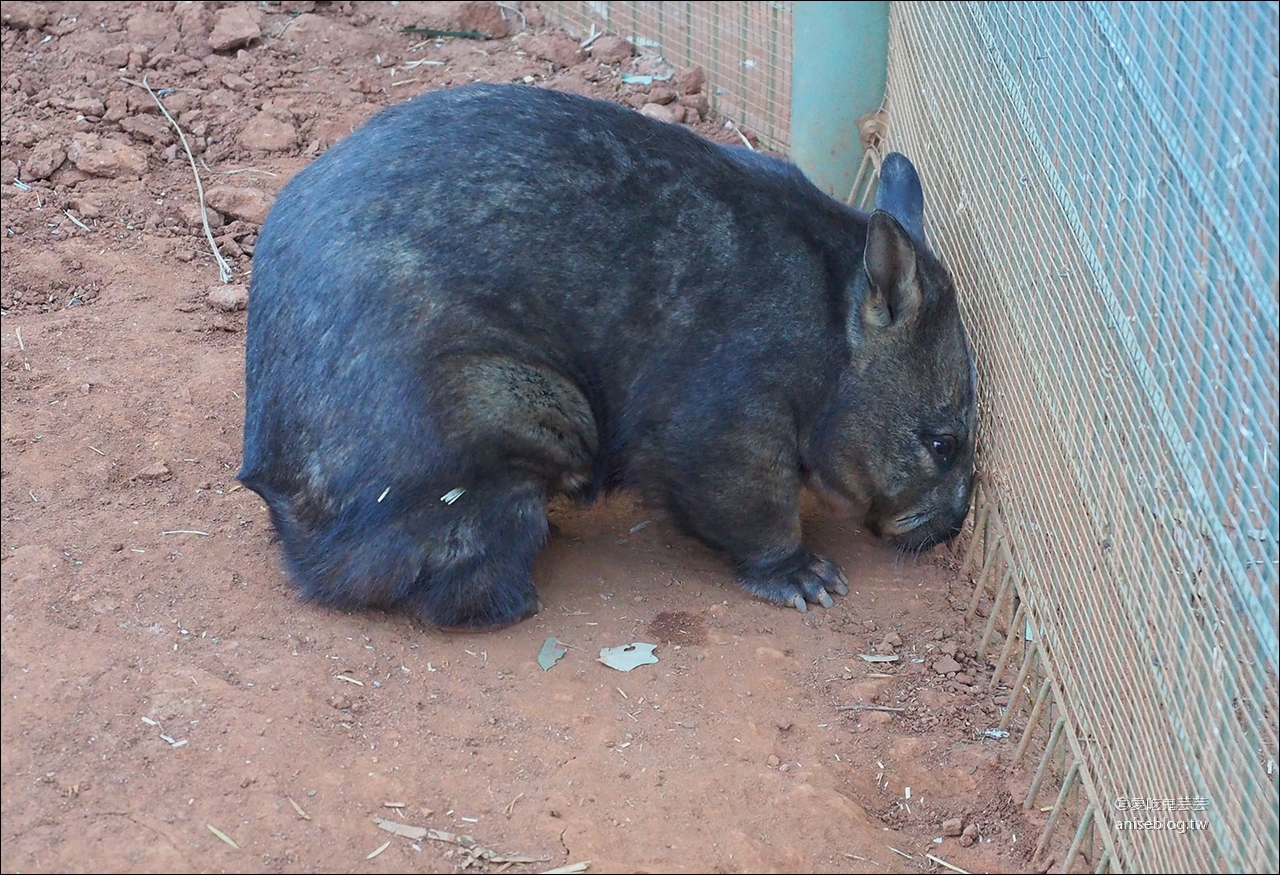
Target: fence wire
1102, 180
745, 49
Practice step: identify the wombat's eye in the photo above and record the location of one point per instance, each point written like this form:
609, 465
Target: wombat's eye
942, 446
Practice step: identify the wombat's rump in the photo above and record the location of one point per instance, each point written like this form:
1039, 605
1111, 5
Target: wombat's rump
493, 294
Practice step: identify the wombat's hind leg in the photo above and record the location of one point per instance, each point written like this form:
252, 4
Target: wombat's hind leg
479, 559
795, 578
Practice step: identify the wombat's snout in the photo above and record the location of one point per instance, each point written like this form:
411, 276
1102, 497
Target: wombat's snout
927, 524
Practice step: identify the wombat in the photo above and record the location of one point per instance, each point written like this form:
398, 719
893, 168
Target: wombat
491, 295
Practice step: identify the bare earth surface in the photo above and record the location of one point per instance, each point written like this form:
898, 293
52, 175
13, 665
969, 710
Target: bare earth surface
160, 680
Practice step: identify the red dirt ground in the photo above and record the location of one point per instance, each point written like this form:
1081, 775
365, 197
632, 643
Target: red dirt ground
160, 680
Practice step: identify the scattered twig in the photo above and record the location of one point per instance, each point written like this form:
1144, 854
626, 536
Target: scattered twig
243, 170
350, 680
219, 833
22, 346
472, 849
298, 808
942, 862
511, 805
900, 853
224, 269
77, 222
180, 531
870, 708
378, 850
96, 450
567, 870
863, 859
592, 38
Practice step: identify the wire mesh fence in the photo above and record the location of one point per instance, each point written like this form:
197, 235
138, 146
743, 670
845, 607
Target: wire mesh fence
745, 49
1102, 180
1103, 183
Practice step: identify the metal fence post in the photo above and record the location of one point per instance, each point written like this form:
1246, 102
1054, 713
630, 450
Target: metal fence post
840, 56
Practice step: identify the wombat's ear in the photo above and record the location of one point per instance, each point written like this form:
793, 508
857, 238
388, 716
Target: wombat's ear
890, 262
899, 193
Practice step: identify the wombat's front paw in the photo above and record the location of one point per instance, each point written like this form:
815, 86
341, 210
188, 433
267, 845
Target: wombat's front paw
800, 578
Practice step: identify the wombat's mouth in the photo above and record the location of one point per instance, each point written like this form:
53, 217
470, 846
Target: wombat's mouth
916, 531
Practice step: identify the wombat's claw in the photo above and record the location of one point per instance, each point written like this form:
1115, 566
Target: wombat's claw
807, 579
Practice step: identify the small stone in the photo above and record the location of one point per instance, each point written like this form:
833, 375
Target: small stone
884, 648
893, 638
151, 128
157, 471
90, 107
117, 106
945, 665
690, 80
659, 112
266, 133
558, 48
952, 827
116, 56
966, 840
236, 82
610, 49
191, 215
102, 156
229, 246
964, 678
533, 15
869, 624
696, 102
87, 206
663, 94
949, 648
149, 27
971, 831
239, 202
45, 158
25, 16
482, 16
773, 761
228, 298
233, 27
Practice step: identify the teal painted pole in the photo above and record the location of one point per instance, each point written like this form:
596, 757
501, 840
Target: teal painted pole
840, 58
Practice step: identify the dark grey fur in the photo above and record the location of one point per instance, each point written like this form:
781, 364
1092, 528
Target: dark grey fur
516, 293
